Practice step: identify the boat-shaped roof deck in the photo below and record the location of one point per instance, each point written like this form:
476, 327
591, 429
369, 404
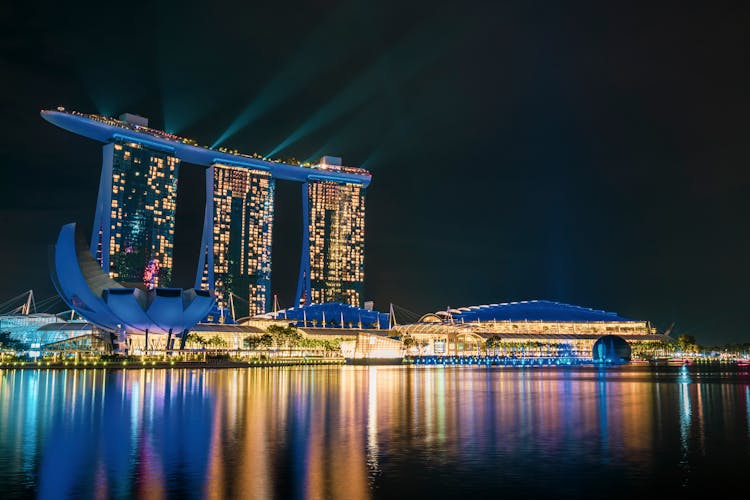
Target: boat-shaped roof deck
105, 129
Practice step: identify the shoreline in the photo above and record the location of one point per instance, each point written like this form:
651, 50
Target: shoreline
163, 365
132, 364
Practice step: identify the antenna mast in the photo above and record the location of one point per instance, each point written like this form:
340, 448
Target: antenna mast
26, 308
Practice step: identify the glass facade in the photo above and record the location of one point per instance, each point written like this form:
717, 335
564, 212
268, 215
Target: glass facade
143, 193
333, 263
242, 235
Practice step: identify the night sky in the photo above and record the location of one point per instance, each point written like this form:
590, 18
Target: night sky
594, 153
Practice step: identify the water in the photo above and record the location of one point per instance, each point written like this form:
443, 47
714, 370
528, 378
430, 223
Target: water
374, 432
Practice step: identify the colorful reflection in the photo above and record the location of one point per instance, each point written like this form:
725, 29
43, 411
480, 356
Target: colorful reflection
368, 432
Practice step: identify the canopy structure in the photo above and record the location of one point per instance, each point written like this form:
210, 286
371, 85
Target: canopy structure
95, 296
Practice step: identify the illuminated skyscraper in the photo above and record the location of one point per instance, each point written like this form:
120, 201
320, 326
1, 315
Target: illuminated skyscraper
332, 267
133, 234
240, 200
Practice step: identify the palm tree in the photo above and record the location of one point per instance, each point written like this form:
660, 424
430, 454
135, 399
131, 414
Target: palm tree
492, 343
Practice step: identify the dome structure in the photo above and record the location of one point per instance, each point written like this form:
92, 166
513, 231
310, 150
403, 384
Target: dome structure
611, 349
87, 289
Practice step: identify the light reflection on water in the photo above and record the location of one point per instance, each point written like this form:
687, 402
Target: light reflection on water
361, 432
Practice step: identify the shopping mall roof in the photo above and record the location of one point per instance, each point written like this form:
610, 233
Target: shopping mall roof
75, 326
527, 310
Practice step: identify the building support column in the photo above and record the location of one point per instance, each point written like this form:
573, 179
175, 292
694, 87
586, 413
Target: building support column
103, 210
303, 284
206, 257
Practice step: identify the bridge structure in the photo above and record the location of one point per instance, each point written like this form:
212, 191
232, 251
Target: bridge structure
133, 234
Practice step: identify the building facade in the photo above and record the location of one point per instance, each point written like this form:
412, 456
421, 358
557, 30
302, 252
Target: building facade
332, 266
133, 233
533, 328
241, 232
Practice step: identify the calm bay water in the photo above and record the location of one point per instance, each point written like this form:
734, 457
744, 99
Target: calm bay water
374, 432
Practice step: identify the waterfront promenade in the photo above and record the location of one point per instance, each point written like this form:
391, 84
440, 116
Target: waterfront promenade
137, 362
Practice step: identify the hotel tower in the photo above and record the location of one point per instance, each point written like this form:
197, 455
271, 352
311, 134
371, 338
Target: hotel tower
133, 233
333, 246
238, 230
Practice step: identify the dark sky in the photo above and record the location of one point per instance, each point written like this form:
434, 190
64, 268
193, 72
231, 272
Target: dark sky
594, 153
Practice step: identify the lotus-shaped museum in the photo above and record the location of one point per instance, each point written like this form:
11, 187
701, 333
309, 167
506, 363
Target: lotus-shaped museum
87, 289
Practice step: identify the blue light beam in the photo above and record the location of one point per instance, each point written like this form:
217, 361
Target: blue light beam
399, 64
304, 67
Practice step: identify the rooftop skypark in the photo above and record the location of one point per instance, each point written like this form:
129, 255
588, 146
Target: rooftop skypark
80, 123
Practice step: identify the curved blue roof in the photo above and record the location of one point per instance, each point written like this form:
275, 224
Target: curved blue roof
98, 130
532, 310
335, 315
